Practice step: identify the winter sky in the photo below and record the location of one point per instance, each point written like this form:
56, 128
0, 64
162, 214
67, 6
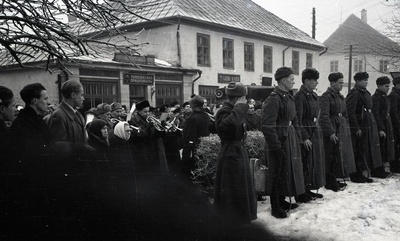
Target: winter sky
329, 14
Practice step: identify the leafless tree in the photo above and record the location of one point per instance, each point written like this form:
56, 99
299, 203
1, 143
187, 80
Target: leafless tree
32, 29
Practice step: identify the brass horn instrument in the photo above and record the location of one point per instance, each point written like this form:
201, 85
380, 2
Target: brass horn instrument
115, 120
156, 123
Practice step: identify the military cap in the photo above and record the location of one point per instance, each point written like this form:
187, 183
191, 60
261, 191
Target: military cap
383, 80
142, 104
283, 72
116, 106
103, 108
236, 89
361, 76
310, 73
333, 77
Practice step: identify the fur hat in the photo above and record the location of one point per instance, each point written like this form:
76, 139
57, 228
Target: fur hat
283, 72
116, 106
361, 76
196, 101
396, 80
185, 104
236, 89
310, 73
333, 77
383, 80
142, 104
103, 108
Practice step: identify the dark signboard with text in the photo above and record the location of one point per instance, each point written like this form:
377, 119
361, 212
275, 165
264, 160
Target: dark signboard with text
227, 78
142, 79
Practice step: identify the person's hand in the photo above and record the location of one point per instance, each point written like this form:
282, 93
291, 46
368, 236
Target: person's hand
333, 138
307, 144
382, 134
359, 133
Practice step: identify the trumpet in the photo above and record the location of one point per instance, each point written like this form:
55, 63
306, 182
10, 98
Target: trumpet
160, 126
115, 120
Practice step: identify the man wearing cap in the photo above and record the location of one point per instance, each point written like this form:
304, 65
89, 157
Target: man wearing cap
116, 112
312, 148
381, 112
234, 189
394, 98
147, 147
196, 126
364, 131
339, 157
280, 127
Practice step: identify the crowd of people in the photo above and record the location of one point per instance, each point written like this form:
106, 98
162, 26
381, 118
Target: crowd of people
67, 170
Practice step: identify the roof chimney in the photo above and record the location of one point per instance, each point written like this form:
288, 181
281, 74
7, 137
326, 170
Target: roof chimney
364, 16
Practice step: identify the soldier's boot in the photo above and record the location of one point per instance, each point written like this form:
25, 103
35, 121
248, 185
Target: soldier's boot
331, 183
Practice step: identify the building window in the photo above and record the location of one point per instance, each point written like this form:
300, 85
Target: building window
249, 56
208, 92
203, 49
99, 92
137, 93
334, 66
309, 62
295, 62
167, 93
358, 65
267, 59
227, 53
383, 66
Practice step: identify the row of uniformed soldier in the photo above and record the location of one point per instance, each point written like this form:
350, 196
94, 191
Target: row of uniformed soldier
312, 141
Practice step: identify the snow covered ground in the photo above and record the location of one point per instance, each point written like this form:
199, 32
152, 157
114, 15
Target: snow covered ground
360, 212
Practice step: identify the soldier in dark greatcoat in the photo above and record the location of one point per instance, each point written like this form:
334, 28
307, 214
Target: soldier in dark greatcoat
364, 131
381, 112
394, 98
313, 154
339, 157
234, 189
280, 128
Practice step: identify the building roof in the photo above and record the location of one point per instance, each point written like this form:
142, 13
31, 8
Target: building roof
242, 15
364, 38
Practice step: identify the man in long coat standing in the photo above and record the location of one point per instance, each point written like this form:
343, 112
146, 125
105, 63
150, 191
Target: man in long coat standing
339, 157
234, 189
280, 127
364, 131
312, 148
394, 98
381, 111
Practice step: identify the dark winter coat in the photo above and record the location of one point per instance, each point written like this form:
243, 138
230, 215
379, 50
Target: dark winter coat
394, 99
196, 126
366, 148
234, 189
280, 127
381, 112
339, 158
308, 114
148, 149
253, 122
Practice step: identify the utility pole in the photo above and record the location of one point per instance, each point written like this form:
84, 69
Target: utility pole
313, 23
350, 65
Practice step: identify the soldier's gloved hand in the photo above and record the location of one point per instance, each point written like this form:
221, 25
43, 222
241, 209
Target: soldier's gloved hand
279, 154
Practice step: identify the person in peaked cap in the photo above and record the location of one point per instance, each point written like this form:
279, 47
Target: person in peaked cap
117, 111
235, 199
312, 148
381, 112
196, 126
364, 131
279, 125
394, 98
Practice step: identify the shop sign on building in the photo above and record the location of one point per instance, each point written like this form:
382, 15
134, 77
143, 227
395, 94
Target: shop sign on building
227, 78
142, 79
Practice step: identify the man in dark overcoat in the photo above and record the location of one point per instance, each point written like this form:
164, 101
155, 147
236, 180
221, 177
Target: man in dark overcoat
69, 180
31, 135
339, 157
148, 149
312, 148
394, 98
364, 131
381, 112
253, 121
196, 126
234, 190
279, 125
